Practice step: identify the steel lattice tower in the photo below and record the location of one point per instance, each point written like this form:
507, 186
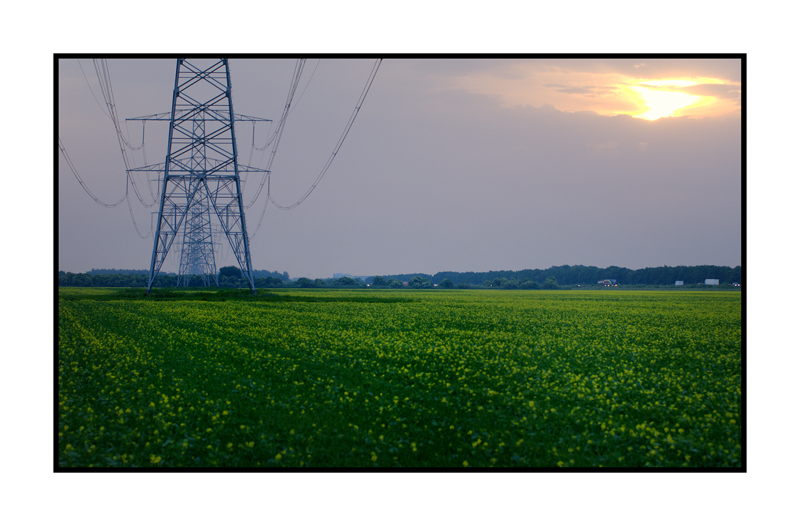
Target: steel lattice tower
201, 183
197, 251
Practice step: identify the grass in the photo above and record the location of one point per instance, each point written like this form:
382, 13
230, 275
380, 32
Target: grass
400, 379
215, 294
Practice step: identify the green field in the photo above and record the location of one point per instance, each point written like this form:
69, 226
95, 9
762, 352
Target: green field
396, 378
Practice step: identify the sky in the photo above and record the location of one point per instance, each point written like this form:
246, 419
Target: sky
452, 164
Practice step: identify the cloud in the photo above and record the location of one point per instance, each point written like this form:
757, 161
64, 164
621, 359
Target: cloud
720, 91
583, 90
578, 85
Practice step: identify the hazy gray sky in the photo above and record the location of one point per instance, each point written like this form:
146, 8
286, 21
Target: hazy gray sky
452, 164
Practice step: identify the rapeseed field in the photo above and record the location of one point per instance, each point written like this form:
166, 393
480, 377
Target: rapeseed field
456, 379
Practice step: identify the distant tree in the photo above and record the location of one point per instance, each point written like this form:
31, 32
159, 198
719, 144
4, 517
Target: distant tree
463, 285
345, 281
510, 284
83, 280
418, 282
305, 283
487, 283
529, 284
396, 284
550, 283
230, 272
446, 283
231, 282
274, 282
379, 281
320, 282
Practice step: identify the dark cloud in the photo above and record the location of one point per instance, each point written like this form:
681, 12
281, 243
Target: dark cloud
585, 90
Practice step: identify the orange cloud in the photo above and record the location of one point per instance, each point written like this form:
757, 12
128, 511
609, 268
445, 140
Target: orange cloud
602, 90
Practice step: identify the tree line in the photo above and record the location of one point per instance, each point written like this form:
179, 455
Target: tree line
553, 277
229, 277
583, 275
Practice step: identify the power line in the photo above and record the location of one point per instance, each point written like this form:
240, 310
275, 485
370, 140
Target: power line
108, 96
298, 71
106, 89
83, 184
136, 226
336, 148
125, 197
253, 146
338, 144
306, 88
92, 91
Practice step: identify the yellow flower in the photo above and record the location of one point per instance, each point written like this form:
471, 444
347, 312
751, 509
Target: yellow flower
466, 463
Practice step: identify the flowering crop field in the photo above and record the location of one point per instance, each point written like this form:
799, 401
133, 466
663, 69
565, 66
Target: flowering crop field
452, 379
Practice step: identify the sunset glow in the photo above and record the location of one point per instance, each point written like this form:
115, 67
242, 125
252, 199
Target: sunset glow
605, 92
659, 100
659, 103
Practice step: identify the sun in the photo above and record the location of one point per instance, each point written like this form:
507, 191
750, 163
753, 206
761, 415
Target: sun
658, 99
662, 103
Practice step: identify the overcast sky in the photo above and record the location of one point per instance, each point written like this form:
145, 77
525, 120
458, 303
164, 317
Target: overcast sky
451, 165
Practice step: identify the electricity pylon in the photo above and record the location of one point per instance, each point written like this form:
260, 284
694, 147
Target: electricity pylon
201, 174
197, 251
